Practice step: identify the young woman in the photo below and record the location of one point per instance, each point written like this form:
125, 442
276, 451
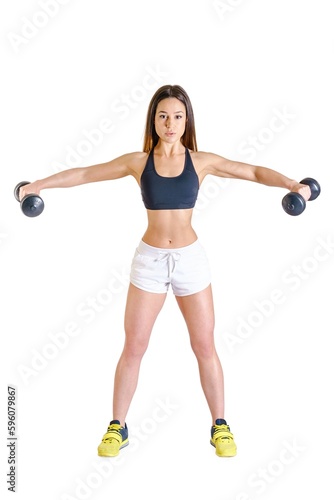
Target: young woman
169, 172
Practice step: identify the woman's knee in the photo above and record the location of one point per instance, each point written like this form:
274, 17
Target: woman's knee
135, 346
203, 348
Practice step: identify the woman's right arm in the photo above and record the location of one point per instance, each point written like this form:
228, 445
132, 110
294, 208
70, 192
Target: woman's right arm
114, 169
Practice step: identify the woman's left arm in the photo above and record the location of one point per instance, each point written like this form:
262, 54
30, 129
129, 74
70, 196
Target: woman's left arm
222, 167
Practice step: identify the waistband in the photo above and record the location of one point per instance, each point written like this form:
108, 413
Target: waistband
149, 250
169, 255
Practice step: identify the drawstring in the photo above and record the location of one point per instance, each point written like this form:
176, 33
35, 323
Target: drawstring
171, 258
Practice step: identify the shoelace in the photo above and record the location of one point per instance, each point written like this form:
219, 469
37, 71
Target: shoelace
113, 429
224, 432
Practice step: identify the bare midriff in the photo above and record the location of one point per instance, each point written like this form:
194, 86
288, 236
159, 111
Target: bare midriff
169, 228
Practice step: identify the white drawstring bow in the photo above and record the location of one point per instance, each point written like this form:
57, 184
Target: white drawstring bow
171, 258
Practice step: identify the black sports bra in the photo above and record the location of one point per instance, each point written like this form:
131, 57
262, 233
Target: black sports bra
169, 193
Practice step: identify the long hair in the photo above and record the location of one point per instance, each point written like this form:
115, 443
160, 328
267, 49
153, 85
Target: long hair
151, 138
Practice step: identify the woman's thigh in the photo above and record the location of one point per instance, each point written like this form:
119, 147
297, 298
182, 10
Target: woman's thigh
141, 311
198, 312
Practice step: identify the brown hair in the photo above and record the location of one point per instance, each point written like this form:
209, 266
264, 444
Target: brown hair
151, 138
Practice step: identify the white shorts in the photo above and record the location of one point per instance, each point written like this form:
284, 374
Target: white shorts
186, 269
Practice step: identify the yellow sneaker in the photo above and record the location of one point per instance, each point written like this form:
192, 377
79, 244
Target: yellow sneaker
114, 440
222, 439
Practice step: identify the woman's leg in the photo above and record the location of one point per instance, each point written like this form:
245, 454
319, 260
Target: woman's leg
142, 309
198, 312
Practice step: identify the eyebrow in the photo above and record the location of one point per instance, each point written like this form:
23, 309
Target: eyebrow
176, 112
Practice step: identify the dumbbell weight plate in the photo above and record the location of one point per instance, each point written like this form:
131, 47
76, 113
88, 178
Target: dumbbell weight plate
293, 203
32, 205
17, 189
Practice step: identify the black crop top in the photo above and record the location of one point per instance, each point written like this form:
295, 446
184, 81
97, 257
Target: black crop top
169, 193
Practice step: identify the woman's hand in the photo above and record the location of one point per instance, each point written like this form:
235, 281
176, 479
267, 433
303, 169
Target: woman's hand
303, 190
31, 188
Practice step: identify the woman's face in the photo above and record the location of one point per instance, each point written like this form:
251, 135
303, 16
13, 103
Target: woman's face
170, 120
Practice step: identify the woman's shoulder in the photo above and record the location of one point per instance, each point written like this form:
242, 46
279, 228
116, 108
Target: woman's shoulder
201, 155
136, 156
135, 160
206, 163
201, 158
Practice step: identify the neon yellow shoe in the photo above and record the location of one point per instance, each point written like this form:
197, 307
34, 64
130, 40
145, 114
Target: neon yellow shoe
114, 440
222, 439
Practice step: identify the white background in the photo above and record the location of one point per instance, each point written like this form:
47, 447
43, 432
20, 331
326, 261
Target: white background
241, 62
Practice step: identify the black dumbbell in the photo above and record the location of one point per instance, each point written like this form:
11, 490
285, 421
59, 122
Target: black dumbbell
294, 203
32, 205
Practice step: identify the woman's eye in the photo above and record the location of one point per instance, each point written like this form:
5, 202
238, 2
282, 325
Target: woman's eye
164, 117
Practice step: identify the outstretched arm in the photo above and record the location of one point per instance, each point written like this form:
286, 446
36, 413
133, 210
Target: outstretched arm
217, 165
114, 169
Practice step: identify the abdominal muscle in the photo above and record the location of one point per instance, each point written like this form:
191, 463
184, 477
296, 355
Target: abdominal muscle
169, 228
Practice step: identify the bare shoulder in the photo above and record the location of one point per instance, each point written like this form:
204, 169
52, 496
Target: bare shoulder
137, 156
135, 162
206, 163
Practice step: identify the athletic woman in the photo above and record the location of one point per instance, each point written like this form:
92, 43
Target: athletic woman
169, 172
